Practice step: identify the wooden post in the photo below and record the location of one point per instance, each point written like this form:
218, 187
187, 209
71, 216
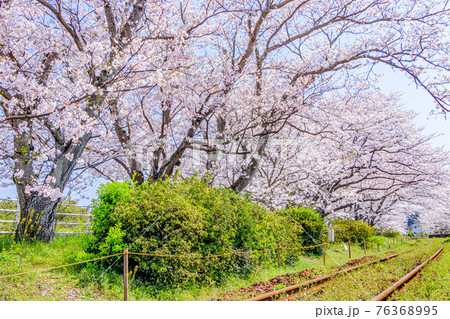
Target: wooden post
365, 253
125, 274
378, 246
278, 256
349, 250
324, 252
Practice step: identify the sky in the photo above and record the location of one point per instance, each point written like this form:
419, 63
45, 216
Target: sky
418, 100
413, 99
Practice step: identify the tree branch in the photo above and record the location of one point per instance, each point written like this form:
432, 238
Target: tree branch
60, 18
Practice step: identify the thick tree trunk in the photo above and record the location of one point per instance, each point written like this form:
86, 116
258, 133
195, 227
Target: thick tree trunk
37, 212
37, 216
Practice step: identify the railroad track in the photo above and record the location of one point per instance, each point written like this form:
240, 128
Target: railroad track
386, 293
313, 285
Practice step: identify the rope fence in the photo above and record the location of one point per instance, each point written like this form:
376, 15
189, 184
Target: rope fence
57, 267
303, 248
155, 255
226, 254
126, 253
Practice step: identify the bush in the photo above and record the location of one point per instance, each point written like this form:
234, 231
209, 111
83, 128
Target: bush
351, 230
186, 218
376, 239
309, 227
391, 233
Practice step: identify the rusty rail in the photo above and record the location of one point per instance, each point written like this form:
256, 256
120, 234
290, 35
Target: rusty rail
296, 288
408, 277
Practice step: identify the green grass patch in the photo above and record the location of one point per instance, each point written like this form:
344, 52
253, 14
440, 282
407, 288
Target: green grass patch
90, 283
432, 283
60, 284
367, 282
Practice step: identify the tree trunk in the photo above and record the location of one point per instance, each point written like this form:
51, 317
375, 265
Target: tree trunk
37, 212
37, 216
250, 170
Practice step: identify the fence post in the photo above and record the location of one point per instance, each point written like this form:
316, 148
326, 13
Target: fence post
349, 250
365, 253
278, 255
324, 252
125, 274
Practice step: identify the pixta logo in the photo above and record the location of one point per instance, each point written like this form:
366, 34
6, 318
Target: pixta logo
336, 311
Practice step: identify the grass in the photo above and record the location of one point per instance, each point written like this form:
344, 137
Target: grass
194, 293
61, 284
432, 283
367, 282
337, 255
87, 283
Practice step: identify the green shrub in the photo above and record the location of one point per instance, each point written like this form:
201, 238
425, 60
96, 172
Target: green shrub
376, 239
351, 230
308, 226
391, 233
186, 218
104, 224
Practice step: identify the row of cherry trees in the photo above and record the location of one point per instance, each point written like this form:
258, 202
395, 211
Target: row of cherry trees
272, 97
368, 163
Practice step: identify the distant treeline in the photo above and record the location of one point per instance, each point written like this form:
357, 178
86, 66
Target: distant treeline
439, 236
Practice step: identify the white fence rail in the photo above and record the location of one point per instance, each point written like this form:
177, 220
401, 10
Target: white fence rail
56, 223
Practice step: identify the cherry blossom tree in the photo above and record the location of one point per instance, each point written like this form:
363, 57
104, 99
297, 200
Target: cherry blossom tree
361, 164
275, 59
432, 208
60, 60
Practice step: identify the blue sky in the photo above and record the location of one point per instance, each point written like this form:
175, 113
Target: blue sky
419, 101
